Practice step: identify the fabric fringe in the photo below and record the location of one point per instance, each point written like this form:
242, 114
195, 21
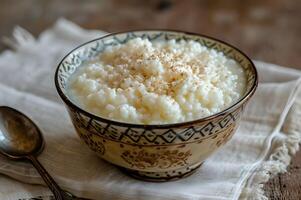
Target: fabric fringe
20, 37
278, 161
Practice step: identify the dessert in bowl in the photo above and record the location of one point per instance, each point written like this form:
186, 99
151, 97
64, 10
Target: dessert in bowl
155, 103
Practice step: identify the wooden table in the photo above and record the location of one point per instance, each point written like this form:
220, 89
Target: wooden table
268, 31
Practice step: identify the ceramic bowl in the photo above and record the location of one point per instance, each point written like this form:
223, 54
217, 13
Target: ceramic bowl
154, 152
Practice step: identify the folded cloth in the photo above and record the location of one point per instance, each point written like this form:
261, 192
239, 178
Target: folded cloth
267, 137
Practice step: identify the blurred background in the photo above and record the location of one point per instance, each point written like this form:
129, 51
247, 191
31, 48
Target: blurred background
267, 30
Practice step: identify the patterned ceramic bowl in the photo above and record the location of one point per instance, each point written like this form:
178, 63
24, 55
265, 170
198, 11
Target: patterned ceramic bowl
154, 152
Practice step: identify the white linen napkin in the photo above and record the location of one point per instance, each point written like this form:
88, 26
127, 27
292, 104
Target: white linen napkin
268, 135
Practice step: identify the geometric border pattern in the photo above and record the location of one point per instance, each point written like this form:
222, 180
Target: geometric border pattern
139, 136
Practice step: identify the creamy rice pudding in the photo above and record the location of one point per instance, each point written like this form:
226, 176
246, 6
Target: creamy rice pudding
157, 82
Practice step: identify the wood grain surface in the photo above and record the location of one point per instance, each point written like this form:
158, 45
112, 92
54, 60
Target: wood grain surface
267, 30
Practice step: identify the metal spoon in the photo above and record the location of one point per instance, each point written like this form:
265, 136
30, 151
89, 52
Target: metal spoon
21, 139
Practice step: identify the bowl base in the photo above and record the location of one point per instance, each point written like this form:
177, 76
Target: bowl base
162, 176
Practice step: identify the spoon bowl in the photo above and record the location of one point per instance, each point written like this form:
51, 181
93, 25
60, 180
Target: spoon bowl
19, 136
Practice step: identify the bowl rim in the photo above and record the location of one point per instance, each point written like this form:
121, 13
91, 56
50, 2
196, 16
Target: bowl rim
69, 102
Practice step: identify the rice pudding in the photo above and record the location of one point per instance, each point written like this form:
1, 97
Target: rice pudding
160, 82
